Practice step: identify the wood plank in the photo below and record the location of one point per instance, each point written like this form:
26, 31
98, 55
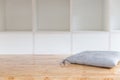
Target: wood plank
47, 67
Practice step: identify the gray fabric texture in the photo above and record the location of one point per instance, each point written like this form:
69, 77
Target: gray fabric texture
95, 58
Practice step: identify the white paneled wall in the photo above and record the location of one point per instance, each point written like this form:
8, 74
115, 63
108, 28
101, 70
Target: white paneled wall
53, 43
57, 43
83, 41
115, 41
16, 43
59, 26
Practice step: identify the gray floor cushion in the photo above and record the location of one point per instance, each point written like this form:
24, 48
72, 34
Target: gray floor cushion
95, 58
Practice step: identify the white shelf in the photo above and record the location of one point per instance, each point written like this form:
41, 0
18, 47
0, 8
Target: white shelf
59, 15
90, 31
115, 14
52, 31
53, 15
15, 15
66, 24
87, 15
118, 31
16, 31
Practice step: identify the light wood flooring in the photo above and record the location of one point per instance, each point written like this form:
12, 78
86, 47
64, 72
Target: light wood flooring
47, 67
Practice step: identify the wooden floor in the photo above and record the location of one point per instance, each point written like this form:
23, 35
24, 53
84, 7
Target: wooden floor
46, 67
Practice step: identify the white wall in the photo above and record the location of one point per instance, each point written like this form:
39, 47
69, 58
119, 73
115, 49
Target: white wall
87, 15
52, 16
18, 14
57, 42
115, 14
53, 43
16, 43
90, 17
115, 41
2, 15
83, 41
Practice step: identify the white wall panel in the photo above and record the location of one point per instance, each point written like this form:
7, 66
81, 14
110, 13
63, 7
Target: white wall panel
115, 41
16, 43
52, 43
83, 41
